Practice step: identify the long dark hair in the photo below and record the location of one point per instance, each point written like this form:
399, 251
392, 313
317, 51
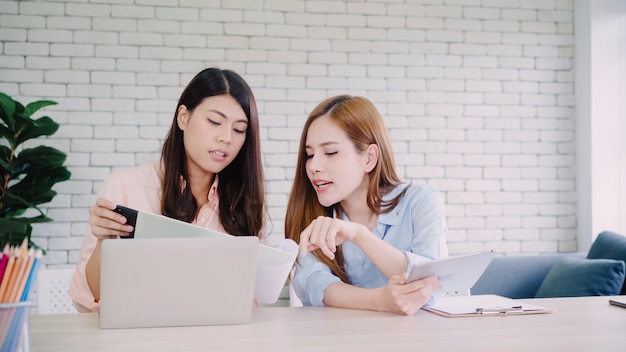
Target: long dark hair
240, 189
362, 122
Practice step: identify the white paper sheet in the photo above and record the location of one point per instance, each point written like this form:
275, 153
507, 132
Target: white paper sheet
272, 269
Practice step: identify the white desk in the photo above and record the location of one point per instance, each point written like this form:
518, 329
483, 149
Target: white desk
579, 324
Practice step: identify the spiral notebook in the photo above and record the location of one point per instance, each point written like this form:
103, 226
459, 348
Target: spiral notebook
177, 282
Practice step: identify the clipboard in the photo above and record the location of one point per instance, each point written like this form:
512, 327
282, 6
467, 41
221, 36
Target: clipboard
482, 306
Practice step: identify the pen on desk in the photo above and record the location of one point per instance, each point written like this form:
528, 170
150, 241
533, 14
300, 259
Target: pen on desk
499, 310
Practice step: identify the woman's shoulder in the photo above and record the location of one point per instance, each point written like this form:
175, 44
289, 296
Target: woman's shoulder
418, 193
144, 171
412, 190
138, 187
146, 175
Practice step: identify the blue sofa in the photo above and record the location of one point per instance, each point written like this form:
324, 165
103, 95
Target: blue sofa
599, 272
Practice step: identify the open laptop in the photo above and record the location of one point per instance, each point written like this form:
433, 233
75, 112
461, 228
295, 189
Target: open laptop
272, 264
177, 282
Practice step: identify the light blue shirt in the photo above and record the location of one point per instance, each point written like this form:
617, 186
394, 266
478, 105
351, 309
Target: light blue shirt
417, 226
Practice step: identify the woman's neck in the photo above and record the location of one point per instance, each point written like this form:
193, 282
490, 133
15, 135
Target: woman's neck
200, 184
356, 210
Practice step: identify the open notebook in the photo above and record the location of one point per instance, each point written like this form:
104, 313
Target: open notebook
177, 282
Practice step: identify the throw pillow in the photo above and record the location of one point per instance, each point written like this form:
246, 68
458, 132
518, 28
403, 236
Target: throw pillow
609, 245
574, 277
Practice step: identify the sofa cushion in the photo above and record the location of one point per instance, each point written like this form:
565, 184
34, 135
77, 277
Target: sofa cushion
609, 245
572, 277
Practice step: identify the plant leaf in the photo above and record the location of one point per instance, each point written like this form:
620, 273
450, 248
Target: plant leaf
35, 159
32, 190
35, 188
14, 206
31, 220
31, 108
6, 133
20, 124
7, 108
5, 155
13, 231
11, 225
44, 176
44, 126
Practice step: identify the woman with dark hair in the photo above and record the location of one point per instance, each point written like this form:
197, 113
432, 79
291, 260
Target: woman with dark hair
210, 169
364, 227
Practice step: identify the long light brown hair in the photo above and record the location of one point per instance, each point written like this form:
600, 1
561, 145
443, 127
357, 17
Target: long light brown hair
361, 121
240, 189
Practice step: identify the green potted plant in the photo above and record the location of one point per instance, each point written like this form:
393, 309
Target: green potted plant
27, 175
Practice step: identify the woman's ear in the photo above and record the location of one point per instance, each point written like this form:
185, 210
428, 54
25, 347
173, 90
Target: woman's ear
182, 117
372, 153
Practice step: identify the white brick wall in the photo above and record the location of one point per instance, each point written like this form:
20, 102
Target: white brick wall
478, 96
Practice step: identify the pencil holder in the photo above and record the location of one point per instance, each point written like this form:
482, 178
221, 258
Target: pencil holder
15, 326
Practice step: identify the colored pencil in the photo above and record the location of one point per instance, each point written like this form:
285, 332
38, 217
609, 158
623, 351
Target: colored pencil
18, 269
20, 281
8, 273
5, 258
32, 276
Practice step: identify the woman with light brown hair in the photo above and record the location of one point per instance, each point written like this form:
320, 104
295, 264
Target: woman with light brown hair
364, 226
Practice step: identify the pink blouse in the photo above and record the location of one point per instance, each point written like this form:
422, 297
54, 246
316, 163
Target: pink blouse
138, 188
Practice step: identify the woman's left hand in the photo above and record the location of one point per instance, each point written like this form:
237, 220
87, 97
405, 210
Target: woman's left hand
327, 233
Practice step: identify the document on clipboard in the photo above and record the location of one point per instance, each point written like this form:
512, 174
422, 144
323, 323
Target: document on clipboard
272, 264
482, 305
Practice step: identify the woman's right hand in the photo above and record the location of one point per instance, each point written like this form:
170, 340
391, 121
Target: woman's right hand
105, 222
407, 298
